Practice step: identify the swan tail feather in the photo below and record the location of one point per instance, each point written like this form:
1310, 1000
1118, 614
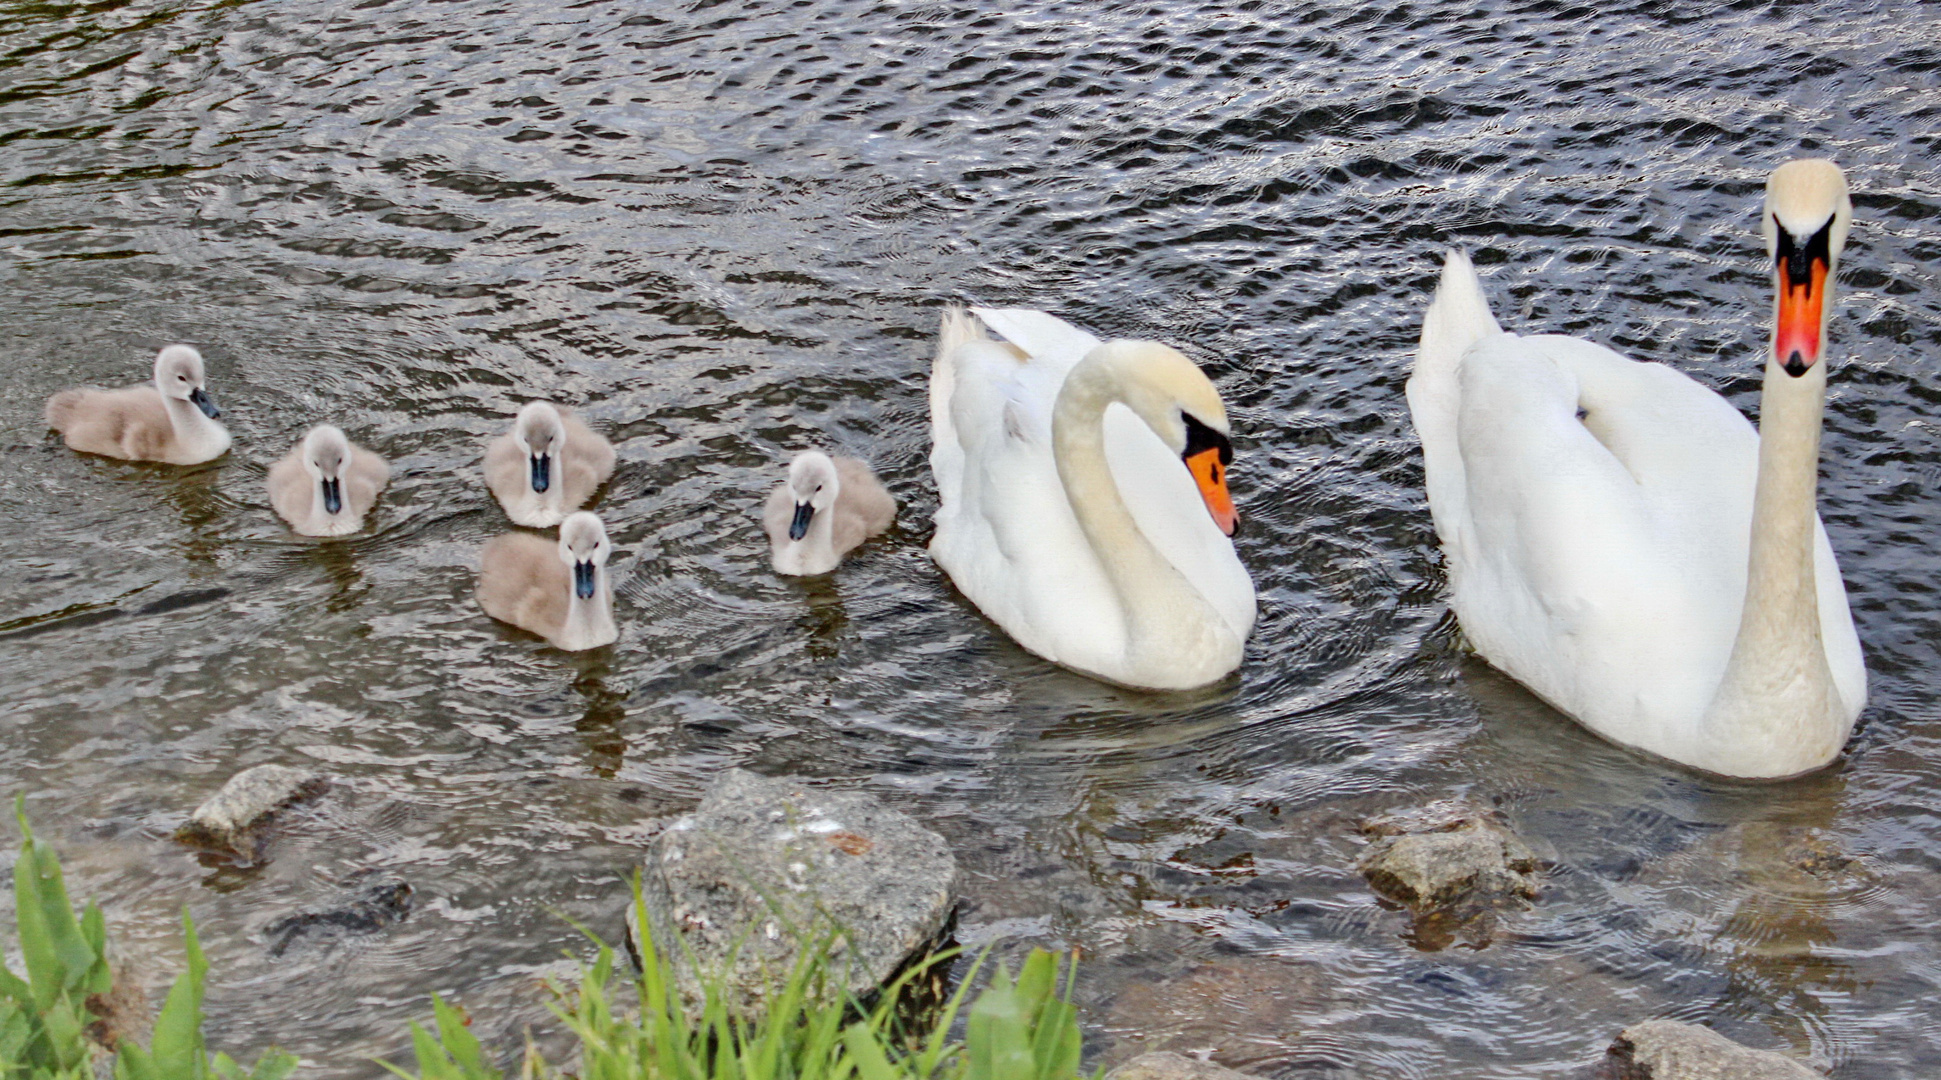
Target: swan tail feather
60, 409
1457, 318
958, 328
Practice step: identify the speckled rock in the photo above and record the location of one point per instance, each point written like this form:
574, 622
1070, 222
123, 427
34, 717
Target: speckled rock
1166, 1065
1457, 867
764, 866
232, 819
1669, 1050
1467, 860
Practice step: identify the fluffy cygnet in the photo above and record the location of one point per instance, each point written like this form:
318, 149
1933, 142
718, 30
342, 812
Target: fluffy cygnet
326, 483
826, 507
547, 466
172, 420
556, 590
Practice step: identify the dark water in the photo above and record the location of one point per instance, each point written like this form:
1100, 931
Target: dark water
725, 230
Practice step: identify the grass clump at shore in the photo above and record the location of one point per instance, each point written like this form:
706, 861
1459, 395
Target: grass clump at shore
1017, 1029
65, 1012
68, 1012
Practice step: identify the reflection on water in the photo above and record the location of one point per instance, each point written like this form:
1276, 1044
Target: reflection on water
825, 621
602, 724
722, 233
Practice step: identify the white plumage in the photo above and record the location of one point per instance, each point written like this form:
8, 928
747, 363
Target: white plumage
1597, 516
1107, 561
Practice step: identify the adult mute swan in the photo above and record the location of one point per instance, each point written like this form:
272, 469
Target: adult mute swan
824, 509
326, 484
547, 466
172, 419
1083, 500
1622, 542
558, 590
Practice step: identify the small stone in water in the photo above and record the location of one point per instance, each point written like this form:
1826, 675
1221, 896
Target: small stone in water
1450, 872
1166, 1065
1669, 1050
379, 906
231, 819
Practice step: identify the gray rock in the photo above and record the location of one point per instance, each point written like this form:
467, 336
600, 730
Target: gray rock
1454, 866
764, 867
1669, 1050
1470, 859
232, 819
1166, 1065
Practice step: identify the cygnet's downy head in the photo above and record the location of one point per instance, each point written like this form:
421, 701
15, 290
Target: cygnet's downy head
813, 485
1807, 215
326, 454
542, 434
583, 547
178, 374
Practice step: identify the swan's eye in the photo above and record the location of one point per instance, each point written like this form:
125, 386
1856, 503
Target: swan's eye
1200, 438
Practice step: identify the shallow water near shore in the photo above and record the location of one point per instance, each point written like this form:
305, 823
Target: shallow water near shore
724, 231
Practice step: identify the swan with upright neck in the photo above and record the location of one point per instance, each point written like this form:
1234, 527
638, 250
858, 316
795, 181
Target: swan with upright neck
172, 419
1083, 501
558, 590
326, 484
826, 507
1623, 543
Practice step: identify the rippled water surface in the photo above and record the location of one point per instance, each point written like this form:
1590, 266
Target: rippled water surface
725, 230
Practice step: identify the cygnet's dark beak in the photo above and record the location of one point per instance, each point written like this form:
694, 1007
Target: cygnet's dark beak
200, 399
583, 580
333, 494
542, 472
799, 525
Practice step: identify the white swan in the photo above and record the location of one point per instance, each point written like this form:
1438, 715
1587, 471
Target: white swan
1066, 513
557, 590
824, 509
172, 419
547, 466
326, 484
1622, 542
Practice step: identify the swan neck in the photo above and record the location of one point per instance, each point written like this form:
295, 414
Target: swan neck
1777, 692
189, 422
589, 621
1160, 605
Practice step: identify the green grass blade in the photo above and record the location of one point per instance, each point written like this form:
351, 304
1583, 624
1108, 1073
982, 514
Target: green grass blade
177, 1044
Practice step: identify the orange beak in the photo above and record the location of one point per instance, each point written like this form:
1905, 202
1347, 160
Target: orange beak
1796, 340
1211, 476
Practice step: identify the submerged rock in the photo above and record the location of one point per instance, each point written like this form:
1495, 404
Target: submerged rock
1451, 867
232, 819
377, 907
1669, 1050
764, 867
1166, 1065
1249, 1010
